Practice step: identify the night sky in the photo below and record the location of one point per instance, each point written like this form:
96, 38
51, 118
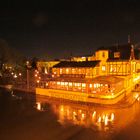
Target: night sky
56, 29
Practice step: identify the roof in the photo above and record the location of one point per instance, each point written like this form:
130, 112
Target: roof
118, 60
124, 50
76, 64
107, 79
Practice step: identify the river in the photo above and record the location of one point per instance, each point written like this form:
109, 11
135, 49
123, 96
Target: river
30, 117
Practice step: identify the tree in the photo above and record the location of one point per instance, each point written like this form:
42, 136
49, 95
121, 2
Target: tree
4, 53
34, 62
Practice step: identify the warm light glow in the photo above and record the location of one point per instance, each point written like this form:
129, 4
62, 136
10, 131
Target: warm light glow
136, 96
38, 105
103, 68
62, 83
136, 79
46, 84
46, 72
66, 83
19, 74
58, 83
112, 116
83, 85
103, 117
61, 108
96, 85
15, 76
94, 113
27, 62
99, 119
90, 85
106, 120
74, 113
83, 115
67, 70
37, 81
60, 71
70, 84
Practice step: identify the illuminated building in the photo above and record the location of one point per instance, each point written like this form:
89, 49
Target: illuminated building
112, 74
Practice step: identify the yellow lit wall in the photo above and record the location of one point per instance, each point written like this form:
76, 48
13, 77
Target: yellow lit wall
87, 72
84, 58
101, 55
121, 67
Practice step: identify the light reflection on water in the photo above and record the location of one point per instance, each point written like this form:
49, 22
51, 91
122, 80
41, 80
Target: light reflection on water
109, 118
47, 118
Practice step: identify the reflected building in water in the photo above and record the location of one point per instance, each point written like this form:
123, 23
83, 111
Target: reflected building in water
95, 117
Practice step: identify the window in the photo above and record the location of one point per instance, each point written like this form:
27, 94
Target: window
103, 68
60, 71
103, 54
67, 70
116, 54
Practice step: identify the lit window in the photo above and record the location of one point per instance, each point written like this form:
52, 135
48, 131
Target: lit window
112, 68
58, 83
70, 84
116, 54
90, 85
83, 85
62, 83
96, 85
103, 68
79, 84
76, 84
67, 70
73, 71
66, 83
60, 71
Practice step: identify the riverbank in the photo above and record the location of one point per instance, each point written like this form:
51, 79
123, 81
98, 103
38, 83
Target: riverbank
23, 88
127, 101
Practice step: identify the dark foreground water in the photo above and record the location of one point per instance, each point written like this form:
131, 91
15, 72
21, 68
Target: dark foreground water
30, 117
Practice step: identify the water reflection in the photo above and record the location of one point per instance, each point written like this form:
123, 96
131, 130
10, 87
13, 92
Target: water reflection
91, 116
38, 117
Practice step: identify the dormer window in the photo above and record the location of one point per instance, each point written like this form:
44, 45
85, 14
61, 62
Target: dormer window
116, 54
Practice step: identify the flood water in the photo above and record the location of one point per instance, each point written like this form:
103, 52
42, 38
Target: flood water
30, 117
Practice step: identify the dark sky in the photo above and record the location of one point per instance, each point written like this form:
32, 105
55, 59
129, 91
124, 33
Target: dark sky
56, 29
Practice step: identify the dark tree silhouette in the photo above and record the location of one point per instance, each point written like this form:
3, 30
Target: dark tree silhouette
34, 63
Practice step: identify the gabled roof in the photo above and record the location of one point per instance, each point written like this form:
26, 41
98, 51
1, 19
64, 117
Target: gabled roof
124, 50
76, 64
107, 79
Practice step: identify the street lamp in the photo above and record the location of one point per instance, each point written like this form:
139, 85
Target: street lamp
28, 67
27, 74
